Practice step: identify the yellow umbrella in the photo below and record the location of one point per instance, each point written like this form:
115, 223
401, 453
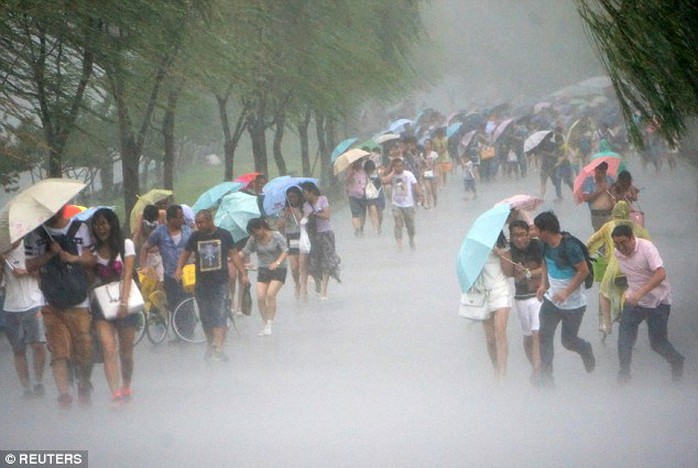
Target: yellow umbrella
150, 198
346, 159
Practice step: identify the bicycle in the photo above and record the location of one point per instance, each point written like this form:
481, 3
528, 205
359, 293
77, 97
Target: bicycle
186, 321
154, 318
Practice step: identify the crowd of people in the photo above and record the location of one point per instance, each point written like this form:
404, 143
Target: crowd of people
405, 173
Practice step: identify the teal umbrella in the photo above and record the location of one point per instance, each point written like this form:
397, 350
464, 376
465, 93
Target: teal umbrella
478, 244
213, 196
342, 147
235, 211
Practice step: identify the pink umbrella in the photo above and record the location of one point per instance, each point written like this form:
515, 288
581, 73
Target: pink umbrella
522, 202
588, 171
465, 141
501, 127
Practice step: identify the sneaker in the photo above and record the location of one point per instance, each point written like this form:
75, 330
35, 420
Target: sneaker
677, 370
85, 394
266, 331
589, 360
65, 401
39, 390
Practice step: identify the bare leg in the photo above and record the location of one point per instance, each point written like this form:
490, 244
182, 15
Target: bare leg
303, 270
107, 338
22, 368
294, 265
126, 339
501, 317
39, 361
488, 326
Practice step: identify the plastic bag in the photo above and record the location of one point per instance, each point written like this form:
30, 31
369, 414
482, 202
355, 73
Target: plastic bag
304, 241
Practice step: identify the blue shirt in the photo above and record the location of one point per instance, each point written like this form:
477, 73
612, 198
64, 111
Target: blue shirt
169, 251
589, 185
561, 271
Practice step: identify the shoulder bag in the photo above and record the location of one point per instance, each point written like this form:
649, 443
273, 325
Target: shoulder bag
108, 296
473, 305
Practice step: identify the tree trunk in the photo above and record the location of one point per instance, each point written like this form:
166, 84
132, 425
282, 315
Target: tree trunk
230, 139
106, 178
303, 136
322, 148
168, 133
257, 130
280, 125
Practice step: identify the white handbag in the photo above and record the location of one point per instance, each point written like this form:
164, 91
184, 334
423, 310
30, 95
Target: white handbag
108, 296
473, 305
371, 192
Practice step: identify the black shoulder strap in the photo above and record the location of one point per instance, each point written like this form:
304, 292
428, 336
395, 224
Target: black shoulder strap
73, 229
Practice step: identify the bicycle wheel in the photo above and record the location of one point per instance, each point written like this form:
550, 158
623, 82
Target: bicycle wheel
186, 322
157, 325
140, 327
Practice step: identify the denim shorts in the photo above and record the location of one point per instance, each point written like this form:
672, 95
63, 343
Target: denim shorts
23, 328
357, 206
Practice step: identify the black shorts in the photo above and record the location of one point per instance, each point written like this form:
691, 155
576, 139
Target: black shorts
265, 275
357, 206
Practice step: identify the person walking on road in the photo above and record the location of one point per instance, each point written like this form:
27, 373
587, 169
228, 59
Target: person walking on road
648, 297
405, 187
563, 271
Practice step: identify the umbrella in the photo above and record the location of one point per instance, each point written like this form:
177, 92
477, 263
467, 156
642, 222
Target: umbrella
536, 139
472, 121
245, 179
399, 124
478, 244
235, 211
540, 106
34, 205
342, 147
386, 137
501, 127
152, 197
86, 215
465, 142
71, 210
588, 171
453, 129
522, 202
345, 160
275, 192
212, 196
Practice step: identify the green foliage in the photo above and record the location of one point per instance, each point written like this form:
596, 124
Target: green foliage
649, 49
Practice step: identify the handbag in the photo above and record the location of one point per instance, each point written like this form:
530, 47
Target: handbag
370, 191
486, 152
304, 239
473, 305
108, 296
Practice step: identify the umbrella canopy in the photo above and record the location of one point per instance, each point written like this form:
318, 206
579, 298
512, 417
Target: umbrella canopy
245, 179
453, 129
86, 215
501, 127
342, 147
398, 125
536, 139
540, 106
212, 196
152, 197
345, 160
478, 244
386, 137
235, 211
522, 202
275, 192
71, 210
34, 205
588, 171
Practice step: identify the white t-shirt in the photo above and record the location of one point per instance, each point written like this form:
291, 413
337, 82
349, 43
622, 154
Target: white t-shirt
129, 251
23, 293
403, 188
35, 245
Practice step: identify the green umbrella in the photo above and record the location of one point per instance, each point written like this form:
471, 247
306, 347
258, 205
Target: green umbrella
235, 211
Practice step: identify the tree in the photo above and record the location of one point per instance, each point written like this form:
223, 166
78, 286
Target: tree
649, 50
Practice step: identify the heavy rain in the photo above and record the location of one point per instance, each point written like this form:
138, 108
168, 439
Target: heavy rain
374, 366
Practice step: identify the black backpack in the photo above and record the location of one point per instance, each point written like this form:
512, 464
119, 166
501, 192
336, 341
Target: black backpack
567, 237
63, 284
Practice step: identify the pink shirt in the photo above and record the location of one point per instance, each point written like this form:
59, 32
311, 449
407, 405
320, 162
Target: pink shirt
639, 267
356, 182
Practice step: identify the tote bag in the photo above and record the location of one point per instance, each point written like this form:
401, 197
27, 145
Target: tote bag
473, 305
108, 296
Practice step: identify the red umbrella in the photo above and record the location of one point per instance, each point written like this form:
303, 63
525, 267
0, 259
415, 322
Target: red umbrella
588, 171
247, 178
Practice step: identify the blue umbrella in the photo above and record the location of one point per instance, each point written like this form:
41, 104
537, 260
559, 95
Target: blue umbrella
398, 124
235, 211
453, 129
478, 244
275, 192
212, 196
84, 216
342, 147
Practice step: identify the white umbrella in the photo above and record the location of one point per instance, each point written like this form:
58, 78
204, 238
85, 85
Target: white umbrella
500, 128
534, 140
34, 205
346, 159
386, 137
465, 141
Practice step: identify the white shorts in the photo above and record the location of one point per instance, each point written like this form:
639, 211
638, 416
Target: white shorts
527, 310
499, 298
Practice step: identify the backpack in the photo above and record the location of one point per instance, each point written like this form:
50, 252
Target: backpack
567, 237
64, 284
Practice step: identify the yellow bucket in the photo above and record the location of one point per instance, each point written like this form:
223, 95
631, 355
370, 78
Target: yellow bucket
189, 277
